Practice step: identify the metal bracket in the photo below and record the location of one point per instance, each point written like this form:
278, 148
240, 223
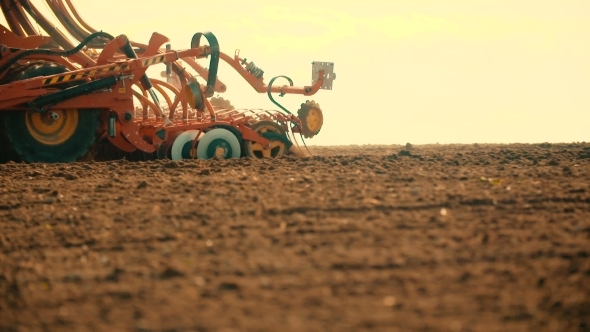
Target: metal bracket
329, 74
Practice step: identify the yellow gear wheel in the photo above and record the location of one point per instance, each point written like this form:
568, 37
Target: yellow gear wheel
277, 147
311, 117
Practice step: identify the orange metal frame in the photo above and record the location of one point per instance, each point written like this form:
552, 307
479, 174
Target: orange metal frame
133, 133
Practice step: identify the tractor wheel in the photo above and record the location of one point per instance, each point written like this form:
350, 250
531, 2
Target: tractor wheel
105, 150
278, 147
53, 137
6, 154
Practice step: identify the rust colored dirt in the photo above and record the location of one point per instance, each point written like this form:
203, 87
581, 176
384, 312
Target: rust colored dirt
437, 238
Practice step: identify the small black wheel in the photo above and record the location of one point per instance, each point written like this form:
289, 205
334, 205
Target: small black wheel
52, 137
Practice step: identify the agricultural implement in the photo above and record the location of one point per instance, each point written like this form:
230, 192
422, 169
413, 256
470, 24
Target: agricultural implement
62, 102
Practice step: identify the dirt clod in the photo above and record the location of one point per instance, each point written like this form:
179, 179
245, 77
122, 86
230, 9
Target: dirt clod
357, 238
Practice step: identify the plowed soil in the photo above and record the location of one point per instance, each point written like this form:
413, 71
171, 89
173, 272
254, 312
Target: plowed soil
356, 238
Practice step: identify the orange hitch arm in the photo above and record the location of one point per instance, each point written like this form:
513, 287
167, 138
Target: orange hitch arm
258, 82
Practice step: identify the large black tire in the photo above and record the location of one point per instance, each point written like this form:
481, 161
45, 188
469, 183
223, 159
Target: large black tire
6, 154
22, 143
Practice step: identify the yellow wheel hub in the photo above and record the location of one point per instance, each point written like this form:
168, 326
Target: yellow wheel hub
219, 152
53, 127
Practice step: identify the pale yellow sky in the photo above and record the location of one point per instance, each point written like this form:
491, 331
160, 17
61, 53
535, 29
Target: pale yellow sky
420, 71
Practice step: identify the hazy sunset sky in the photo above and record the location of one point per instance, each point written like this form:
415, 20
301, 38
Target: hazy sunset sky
419, 71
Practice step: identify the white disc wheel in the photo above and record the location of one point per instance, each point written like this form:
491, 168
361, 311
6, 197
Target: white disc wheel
182, 146
219, 143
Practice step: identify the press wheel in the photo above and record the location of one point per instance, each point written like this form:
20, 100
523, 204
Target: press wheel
183, 146
218, 143
278, 148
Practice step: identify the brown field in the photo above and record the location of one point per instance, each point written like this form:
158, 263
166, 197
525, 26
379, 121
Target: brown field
357, 238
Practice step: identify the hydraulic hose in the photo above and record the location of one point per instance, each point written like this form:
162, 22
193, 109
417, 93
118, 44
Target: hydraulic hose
144, 80
70, 26
130, 53
69, 93
56, 53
